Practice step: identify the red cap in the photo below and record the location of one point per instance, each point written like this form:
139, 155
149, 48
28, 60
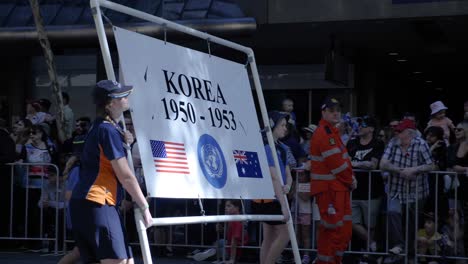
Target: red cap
405, 124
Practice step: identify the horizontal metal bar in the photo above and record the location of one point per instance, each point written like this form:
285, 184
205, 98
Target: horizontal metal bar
87, 33
166, 221
170, 25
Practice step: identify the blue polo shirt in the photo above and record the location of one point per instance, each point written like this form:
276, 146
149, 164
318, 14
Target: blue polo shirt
98, 182
281, 149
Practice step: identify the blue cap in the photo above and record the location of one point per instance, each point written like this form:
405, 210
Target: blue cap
330, 102
115, 89
276, 116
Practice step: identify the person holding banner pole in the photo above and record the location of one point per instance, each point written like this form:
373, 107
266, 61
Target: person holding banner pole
275, 233
332, 180
104, 174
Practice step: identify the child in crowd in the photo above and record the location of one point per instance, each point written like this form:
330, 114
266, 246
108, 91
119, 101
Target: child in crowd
308, 132
72, 175
301, 210
439, 119
235, 236
428, 239
452, 235
287, 106
53, 203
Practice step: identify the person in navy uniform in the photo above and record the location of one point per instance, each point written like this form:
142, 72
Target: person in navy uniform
104, 174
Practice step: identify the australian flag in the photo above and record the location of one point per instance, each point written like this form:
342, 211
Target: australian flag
247, 164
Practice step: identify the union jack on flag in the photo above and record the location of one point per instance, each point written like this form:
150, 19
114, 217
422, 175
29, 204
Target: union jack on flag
239, 156
247, 164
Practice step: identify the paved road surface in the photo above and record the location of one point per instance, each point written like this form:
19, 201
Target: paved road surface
30, 258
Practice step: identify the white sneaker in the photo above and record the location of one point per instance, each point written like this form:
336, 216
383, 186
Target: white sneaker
397, 250
190, 255
204, 254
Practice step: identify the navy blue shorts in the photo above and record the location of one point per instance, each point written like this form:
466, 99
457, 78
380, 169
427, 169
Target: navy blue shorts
99, 232
269, 208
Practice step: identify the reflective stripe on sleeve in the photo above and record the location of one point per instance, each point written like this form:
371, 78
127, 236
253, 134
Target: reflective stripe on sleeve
340, 168
330, 152
316, 158
331, 226
325, 258
323, 177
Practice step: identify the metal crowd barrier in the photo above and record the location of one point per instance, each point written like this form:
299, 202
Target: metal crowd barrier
19, 182
189, 235
384, 243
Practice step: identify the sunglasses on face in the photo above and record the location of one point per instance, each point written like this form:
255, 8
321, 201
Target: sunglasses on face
363, 124
458, 129
33, 132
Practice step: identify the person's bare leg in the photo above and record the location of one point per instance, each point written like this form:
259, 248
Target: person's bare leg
299, 236
281, 239
306, 238
360, 231
71, 257
117, 261
268, 236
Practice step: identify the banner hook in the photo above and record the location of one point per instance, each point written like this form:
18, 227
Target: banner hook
107, 19
200, 202
209, 46
165, 33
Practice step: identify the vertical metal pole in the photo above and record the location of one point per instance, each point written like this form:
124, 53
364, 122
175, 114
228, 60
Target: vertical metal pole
292, 233
436, 206
454, 218
313, 224
309, 113
389, 180
26, 206
96, 11
407, 221
350, 242
369, 187
64, 234
416, 219
11, 200
186, 226
57, 225
41, 214
144, 244
101, 32
296, 197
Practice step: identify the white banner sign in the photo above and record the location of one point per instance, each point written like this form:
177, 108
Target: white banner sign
195, 121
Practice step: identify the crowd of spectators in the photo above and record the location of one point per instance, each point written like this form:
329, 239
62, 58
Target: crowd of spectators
430, 159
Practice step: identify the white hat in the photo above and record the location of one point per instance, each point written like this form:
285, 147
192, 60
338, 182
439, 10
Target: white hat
311, 128
437, 106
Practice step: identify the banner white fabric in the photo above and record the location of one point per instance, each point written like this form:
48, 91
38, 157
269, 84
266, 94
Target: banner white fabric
195, 121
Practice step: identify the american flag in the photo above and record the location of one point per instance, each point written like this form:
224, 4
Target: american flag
169, 157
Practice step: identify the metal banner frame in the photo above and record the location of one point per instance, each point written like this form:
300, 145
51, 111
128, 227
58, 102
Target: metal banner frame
97, 15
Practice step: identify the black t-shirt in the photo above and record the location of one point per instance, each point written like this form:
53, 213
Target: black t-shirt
452, 161
358, 152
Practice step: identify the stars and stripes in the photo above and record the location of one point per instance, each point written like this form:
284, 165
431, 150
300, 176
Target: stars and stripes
169, 157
